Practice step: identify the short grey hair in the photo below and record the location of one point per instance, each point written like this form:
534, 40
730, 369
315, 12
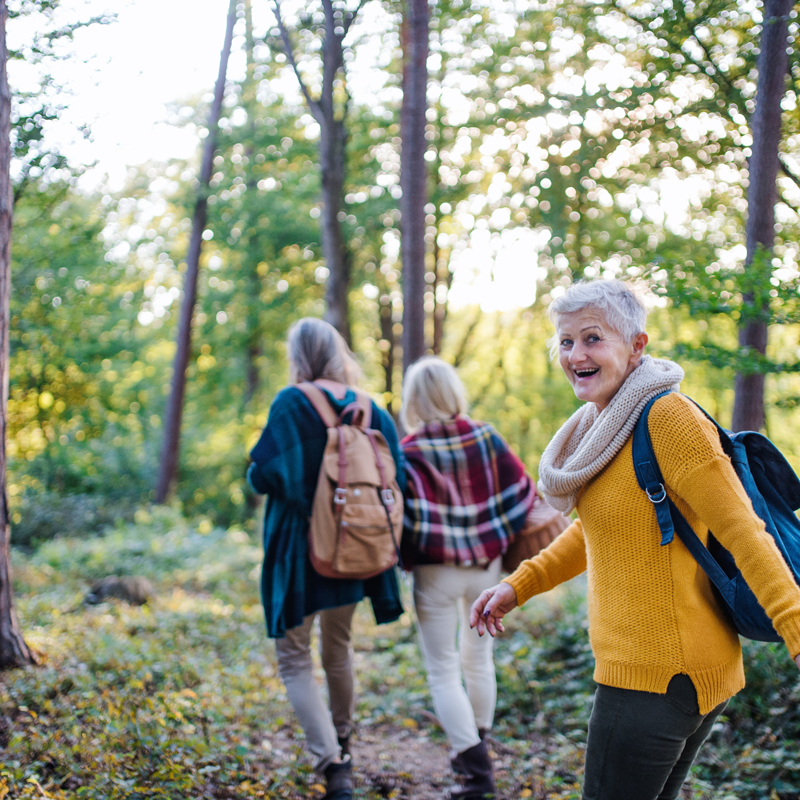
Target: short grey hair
432, 391
621, 303
317, 350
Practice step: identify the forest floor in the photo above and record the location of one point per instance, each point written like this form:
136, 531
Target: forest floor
180, 698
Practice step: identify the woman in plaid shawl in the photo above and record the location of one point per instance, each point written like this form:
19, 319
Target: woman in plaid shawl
467, 495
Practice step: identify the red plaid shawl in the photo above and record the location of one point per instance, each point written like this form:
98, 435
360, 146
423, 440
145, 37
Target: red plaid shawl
467, 494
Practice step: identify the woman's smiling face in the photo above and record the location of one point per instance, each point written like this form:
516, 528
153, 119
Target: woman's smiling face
594, 356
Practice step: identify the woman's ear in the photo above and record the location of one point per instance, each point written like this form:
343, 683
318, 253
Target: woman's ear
639, 343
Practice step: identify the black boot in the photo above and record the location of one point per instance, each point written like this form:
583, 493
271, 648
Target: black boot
344, 744
474, 766
339, 780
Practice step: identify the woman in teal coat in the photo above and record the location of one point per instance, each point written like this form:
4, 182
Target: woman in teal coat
286, 463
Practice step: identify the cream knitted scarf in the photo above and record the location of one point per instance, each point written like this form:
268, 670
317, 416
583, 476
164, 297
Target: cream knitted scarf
589, 439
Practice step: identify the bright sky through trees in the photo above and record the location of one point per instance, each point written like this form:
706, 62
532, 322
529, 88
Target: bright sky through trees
129, 78
129, 83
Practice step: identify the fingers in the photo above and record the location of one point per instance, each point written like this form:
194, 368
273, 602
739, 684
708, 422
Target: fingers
494, 601
481, 616
494, 624
476, 612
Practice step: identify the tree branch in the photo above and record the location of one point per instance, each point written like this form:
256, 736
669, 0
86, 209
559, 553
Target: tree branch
787, 171
351, 18
461, 352
287, 46
676, 47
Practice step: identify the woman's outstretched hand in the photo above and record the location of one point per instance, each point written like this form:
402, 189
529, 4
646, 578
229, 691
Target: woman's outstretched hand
488, 610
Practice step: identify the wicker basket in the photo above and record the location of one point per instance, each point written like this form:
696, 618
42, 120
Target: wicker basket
542, 525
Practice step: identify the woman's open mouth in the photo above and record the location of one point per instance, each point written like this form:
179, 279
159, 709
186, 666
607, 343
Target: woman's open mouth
582, 374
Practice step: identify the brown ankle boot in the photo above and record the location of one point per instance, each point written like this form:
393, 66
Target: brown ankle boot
474, 768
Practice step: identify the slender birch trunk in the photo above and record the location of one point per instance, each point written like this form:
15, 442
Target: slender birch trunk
174, 411
413, 176
748, 408
13, 650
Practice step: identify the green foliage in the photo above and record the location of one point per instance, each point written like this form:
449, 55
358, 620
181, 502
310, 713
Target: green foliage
753, 294
77, 388
44, 515
753, 752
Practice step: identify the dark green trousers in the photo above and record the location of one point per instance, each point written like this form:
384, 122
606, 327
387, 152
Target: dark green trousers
641, 745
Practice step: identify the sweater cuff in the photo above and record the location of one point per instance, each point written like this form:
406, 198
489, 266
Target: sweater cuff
790, 632
524, 582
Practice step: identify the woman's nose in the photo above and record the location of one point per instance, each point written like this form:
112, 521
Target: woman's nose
576, 354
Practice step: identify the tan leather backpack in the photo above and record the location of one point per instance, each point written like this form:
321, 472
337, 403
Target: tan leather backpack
357, 516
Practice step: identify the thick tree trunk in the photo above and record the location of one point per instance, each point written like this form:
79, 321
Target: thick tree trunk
174, 411
13, 650
413, 176
748, 409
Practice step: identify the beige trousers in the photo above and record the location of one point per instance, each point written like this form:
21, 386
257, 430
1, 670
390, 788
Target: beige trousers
321, 726
443, 595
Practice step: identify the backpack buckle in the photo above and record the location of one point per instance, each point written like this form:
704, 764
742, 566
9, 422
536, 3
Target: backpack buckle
340, 496
658, 497
387, 496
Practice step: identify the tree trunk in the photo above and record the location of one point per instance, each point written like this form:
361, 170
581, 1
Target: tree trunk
332, 156
13, 650
174, 411
387, 334
250, 101
332, 162
748, 408
439, 309
332, 146
413, 177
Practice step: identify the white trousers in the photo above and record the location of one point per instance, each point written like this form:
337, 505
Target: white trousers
443, 595
296, 668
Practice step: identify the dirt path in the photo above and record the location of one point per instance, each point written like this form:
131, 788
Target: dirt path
404, 763
396, 762
389, 761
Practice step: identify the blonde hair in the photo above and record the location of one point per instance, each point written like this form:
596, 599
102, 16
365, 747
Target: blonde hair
432, 391
620, 303
317, 350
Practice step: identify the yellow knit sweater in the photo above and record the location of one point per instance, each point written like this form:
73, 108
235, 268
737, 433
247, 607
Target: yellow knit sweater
652, 612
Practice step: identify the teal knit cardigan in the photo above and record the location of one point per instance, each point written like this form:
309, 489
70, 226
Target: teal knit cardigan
285, 466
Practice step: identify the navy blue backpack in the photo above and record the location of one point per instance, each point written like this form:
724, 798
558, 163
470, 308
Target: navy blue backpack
774, 490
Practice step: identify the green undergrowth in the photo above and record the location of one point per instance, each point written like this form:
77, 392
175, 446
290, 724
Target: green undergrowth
180, 698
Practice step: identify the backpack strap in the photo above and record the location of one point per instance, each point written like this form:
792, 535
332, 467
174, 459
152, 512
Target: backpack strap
648, 473
319, 400
365, 401
321, 404
670, 519
361, 410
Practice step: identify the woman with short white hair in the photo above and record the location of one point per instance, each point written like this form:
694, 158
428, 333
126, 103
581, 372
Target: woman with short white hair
667, 655
467, 495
